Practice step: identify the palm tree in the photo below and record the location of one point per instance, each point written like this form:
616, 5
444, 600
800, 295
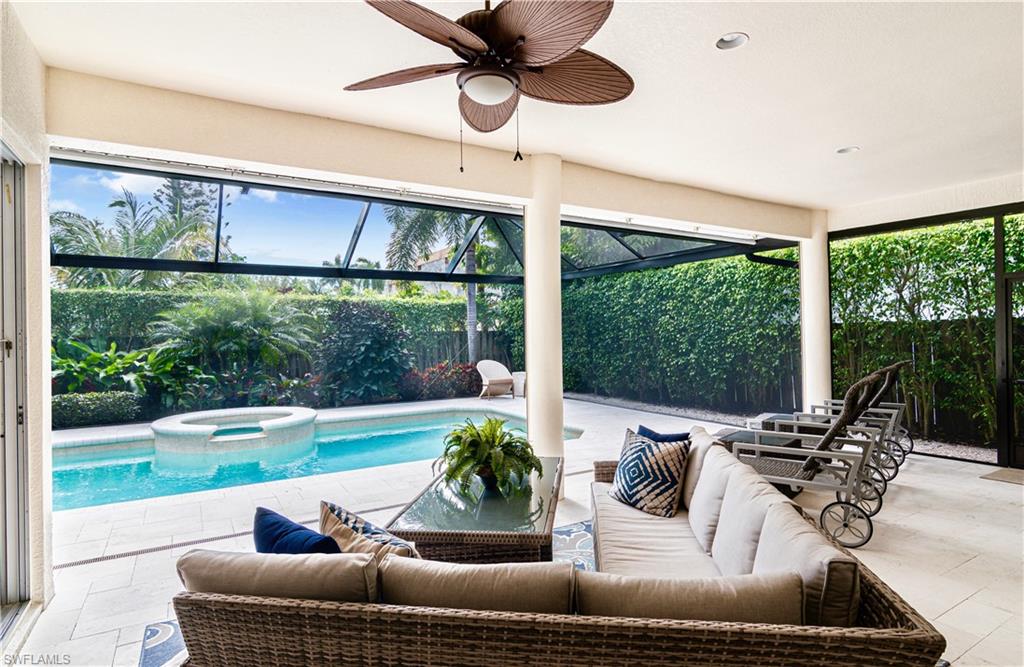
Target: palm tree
367, 284
138, 230
416, 232
246, 330
361, 284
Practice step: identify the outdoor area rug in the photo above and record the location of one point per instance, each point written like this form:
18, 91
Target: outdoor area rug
163, 646
1011, 475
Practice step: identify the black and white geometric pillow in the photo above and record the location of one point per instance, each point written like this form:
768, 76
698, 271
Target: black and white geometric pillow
650, 475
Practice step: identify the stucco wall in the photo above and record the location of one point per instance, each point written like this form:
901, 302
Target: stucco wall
88, 107
963, 197
22, 129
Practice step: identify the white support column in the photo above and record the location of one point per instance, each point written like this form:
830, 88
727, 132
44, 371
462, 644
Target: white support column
542, 277
815, 314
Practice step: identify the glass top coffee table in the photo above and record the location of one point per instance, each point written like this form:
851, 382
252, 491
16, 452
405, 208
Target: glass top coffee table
483, 526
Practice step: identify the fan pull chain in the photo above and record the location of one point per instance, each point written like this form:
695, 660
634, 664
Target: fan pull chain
519, 156
460, 145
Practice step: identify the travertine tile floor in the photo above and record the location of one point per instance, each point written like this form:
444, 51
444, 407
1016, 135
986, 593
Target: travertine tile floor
948, 541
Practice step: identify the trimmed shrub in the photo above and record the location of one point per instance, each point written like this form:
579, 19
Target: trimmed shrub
722, 334
99, 317
444, 380
362, 354
95, 408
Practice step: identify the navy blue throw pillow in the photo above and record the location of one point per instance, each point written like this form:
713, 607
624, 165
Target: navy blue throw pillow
645, 432
275, 534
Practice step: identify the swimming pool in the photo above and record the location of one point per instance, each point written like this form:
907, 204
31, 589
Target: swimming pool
97, 475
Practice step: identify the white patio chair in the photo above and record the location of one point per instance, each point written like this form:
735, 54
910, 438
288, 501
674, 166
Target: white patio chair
497, 380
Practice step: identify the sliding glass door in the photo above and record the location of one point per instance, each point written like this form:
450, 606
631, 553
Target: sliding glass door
947, 294
1010, 338
13, 470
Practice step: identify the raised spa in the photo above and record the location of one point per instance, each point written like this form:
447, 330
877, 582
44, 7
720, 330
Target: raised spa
235, 434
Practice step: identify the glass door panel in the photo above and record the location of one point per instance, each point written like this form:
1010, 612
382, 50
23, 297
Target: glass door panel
13, 565
1016, 359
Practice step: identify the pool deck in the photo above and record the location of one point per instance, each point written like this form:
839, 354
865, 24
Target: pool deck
947, 540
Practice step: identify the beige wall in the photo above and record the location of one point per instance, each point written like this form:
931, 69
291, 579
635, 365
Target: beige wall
94, 108
22, 114
964, 197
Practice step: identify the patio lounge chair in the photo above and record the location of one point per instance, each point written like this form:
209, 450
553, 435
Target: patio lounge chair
836, 460
497, 380
897, 441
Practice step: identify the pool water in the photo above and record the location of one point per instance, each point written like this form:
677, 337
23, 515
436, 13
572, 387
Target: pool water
236, 430
82, 478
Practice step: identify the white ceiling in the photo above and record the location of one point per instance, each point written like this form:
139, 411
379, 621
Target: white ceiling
931, 91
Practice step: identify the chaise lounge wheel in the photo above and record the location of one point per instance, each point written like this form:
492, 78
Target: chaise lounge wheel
906, 440
867, 497
847, 524
885, 462
896, 452
877, 479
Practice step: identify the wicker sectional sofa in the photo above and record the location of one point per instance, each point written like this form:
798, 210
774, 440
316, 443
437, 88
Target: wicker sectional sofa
870, 624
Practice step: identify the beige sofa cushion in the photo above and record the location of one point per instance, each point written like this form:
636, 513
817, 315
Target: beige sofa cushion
831, 578
543, 588
706, 502
747, 499
773, 598
628, 541
700, 442
337, 577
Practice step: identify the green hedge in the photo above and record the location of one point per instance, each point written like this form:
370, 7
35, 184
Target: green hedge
95, 408
927, 295
721, 334
103, 316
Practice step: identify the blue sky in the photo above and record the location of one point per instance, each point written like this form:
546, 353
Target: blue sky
265, 226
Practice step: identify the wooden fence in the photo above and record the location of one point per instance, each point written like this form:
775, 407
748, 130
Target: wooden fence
432, 349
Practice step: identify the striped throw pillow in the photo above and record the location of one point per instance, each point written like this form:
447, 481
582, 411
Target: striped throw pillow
650, 475
354, 534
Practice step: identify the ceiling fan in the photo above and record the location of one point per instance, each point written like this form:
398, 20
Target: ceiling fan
521, 47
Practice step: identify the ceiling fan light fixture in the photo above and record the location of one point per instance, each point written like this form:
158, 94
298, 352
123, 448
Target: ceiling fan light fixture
487, 85
732, 40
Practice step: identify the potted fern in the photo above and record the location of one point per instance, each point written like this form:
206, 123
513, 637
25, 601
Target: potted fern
500, 457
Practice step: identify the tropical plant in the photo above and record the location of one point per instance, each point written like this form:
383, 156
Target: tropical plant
76, 367
285, 390
416, 234
501, 457
246, 331
158, 374
362, 352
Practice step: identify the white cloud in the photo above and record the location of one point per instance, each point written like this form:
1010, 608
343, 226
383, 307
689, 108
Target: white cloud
269, 196
81, 180
65, 205
137, 184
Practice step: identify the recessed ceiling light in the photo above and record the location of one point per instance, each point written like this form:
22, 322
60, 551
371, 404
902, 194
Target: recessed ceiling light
732, 40
845, 150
